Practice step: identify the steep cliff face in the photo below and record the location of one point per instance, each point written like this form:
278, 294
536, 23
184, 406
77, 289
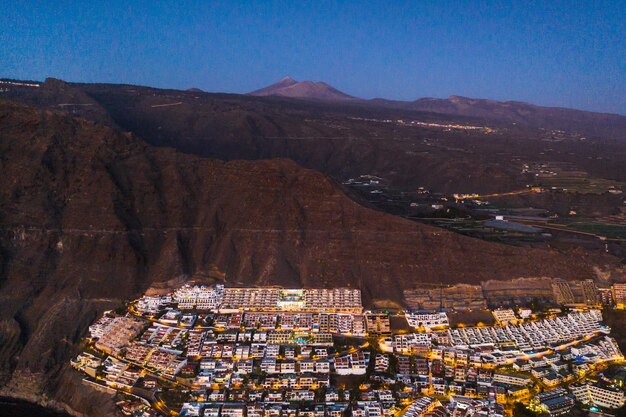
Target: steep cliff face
90, 217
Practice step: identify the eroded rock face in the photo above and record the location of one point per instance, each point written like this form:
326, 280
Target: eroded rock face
91, 217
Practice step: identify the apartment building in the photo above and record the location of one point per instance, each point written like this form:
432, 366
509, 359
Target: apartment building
504, 316
118, 333
417, 319
555, 402
598, 394
511, 379
562, 292
199, 297
619, 294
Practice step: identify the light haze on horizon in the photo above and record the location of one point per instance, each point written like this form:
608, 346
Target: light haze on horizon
554, 53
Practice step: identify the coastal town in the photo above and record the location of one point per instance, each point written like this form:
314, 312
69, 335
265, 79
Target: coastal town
217, 351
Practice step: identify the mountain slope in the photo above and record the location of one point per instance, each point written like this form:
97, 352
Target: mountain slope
346, 139
591, 123
288, 87
91, 217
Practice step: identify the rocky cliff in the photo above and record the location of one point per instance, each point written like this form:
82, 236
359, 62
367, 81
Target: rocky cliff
90, 217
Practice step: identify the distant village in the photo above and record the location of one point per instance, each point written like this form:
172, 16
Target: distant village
216, 351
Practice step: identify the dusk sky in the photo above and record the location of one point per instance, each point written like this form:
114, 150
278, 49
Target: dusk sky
557, 53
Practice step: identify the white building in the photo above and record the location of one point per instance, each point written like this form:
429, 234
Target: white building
199, 297
511, 379
504, 315
428, 321
408, 343
96, 330
152, 304
598, 394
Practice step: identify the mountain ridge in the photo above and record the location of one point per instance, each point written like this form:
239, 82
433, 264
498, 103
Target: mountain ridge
282, 88
511, 111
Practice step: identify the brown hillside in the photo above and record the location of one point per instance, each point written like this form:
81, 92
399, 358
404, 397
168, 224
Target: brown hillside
91, 217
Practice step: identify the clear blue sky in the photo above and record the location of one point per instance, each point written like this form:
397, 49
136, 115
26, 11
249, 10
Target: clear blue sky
551, 52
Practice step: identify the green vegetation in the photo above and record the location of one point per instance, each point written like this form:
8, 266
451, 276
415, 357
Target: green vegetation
520, 410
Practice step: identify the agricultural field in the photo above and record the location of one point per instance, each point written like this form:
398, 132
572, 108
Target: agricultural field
611, 231
581, 184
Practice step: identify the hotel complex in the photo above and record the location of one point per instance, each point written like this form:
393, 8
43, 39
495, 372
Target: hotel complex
272, 352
